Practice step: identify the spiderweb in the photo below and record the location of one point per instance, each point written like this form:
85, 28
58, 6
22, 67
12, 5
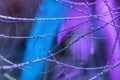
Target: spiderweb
15, 27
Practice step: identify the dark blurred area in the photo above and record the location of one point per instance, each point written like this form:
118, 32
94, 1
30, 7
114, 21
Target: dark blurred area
12, 49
